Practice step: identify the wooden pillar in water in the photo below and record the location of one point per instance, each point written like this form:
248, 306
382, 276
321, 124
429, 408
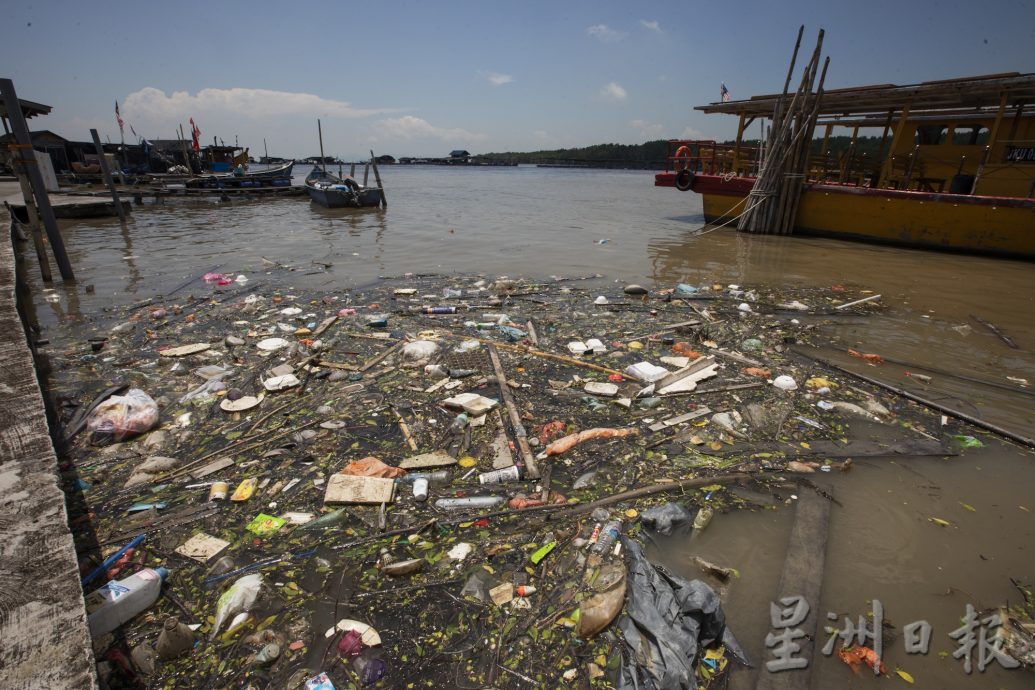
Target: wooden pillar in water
107, 176
377, 176
27, 159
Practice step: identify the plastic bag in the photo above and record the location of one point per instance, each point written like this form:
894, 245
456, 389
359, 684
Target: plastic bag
122, 416
662, 519
419, 350
238, 599
668, 624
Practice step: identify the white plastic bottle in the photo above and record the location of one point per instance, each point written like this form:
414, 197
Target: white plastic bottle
120, 600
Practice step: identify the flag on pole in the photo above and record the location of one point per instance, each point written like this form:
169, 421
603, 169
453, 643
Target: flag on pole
118, 118
195, 133
725, 94
134, 132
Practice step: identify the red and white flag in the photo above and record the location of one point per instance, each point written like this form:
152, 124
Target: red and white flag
195, 133
725, 94
118, 118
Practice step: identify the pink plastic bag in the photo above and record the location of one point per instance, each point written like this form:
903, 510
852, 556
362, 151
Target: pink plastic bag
219, 278
122, 416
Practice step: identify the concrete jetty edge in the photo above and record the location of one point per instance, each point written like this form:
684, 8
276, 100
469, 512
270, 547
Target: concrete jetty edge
44, 641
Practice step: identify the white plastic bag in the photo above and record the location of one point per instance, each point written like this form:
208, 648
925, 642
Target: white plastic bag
122, 416
238, 599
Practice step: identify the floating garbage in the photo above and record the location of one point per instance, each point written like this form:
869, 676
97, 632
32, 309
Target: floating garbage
407, 455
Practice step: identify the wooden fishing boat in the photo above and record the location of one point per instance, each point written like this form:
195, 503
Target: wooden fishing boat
332, 191
954, 168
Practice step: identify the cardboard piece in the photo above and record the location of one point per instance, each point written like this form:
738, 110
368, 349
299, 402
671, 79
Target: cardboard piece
438, 458
214, 466
598, 388
202, 547
184, 350
345, 488
472, 403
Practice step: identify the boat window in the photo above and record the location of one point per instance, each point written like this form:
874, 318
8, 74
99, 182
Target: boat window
970, 135
928, 135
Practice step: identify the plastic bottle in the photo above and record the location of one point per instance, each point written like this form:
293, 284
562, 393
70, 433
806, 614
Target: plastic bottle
608, 536
174, 640
120, 600
460, 423
468, 502
420, 489
435, 477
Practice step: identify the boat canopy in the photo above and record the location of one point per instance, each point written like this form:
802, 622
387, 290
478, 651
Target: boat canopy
962, 97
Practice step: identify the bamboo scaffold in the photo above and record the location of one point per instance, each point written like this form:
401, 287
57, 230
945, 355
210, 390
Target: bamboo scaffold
773, 201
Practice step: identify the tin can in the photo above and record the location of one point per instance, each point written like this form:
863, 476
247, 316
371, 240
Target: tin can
508, 474
439, 310
218, 491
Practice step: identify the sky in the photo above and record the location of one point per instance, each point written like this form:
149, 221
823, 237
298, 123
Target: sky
422, 78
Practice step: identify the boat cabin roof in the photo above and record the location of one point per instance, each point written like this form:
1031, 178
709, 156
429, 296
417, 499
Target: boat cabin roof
963, 97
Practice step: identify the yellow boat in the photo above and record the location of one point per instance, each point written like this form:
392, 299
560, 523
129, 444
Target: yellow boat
955, 168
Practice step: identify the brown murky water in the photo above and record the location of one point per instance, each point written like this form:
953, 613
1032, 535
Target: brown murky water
540, 222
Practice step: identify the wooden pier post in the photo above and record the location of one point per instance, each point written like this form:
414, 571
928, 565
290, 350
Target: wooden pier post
27, 160
107, 176
377, 176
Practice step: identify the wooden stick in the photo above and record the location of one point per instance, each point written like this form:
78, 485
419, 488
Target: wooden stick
531, 468
1023, 440
557, 358
381, 357
404, 427
992, 327
654, 489
532, 335
336, 365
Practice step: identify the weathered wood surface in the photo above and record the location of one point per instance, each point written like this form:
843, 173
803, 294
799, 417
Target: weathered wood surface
44, 642
802, 576
64, 205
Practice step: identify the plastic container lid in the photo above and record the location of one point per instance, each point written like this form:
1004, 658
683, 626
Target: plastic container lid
162, 573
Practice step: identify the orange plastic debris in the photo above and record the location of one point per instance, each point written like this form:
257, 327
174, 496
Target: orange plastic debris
521, 502
683, 349
568, 442
869, 357
757, 371
372, 467
551, 429
855, 656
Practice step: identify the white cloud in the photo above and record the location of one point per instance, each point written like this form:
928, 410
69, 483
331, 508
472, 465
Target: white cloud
541, 135
153, 104
613, 92
497, 79
410, 127
648, 130
691, 133
652, 25
605, 33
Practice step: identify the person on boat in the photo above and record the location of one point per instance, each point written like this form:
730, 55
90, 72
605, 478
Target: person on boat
350, 183
239, 170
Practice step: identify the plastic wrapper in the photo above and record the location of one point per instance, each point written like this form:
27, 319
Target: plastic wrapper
419, 350
239, 598
122, 416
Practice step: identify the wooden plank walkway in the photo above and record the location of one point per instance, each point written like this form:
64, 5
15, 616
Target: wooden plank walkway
44, 641
802, 576
65, 205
